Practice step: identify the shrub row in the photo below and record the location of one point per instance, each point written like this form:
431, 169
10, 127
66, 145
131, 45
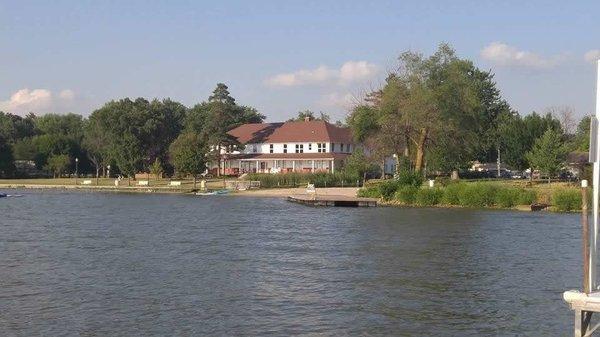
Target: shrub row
294, 179
567, 199
459, 194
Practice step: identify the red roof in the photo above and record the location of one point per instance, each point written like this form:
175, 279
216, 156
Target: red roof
303, 131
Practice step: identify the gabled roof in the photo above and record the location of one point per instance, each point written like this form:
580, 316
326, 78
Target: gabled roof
302, 131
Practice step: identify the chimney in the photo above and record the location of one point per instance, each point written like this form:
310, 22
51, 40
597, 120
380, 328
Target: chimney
307, 119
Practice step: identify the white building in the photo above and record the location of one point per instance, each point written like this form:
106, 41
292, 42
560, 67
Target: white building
304, 146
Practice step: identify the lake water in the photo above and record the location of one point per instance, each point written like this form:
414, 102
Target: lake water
98, 264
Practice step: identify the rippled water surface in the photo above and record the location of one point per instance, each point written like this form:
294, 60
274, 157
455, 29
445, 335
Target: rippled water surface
98, 264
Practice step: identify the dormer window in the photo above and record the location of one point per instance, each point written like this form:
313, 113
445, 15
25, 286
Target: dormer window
332, 147
309, 146
254, 148
321, 147
299, 148
284, 148
270, 148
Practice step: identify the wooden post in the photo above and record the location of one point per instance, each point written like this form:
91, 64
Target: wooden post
585, 237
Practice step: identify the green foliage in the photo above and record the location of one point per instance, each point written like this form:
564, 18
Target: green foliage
567, 200
156, 168
517, 136
407, 194
478, 195
452, 193
429, 196
7, 166
507, 197
369, 192
58, 164
527, 197
188, 154
387, 188
410, 178
358, 165
296, 179
302, 115
548, 153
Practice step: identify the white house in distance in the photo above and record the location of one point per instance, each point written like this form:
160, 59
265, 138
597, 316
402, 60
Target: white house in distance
298, 146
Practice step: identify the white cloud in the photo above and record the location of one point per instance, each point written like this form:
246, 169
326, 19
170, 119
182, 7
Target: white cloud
349, 72
67, 94
37, 100
505, 55
338, 100
592, 56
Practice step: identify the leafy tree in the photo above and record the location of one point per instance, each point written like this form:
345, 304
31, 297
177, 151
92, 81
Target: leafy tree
213, 119
96, 144
188, 155
303, 115
7, 166
58, 164
548, 153
156, 169
581, 141
358, 165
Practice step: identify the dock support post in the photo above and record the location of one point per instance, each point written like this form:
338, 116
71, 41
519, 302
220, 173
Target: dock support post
587, 282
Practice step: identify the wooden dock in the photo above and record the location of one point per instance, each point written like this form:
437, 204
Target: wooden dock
332, 200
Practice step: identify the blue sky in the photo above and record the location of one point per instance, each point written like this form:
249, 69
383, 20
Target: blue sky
282, 56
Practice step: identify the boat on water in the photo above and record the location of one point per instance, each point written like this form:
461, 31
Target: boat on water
216, 192
4, 195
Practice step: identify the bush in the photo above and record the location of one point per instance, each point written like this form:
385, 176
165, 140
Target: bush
388, 188
410, 178
369, 192
478, 195
567, 200
406, 194
507, 197
429, 196
295, 179
452, 193
527, 197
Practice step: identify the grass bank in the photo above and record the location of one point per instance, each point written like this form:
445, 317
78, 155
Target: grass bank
562, 197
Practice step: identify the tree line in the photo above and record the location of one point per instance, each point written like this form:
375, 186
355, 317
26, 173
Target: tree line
440, 113
434, 114
129, 135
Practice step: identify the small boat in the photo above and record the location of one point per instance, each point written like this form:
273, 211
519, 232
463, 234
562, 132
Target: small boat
216, 192
3, 195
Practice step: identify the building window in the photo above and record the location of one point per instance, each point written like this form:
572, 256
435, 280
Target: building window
320, 147
342, 147
254, 148
284, 148
332, 147
309, 146
270, 148
299, 148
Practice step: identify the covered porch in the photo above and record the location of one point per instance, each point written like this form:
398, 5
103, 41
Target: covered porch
286, 165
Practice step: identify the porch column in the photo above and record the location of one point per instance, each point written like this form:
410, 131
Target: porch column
332, 166
257, 166
312, 166
274, 167
293, 166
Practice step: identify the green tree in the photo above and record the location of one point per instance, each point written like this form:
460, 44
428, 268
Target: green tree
213, 119
58, 164
96, 144
156, 169
7, 166
358, 165
303, 115
188, 155
548, 153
